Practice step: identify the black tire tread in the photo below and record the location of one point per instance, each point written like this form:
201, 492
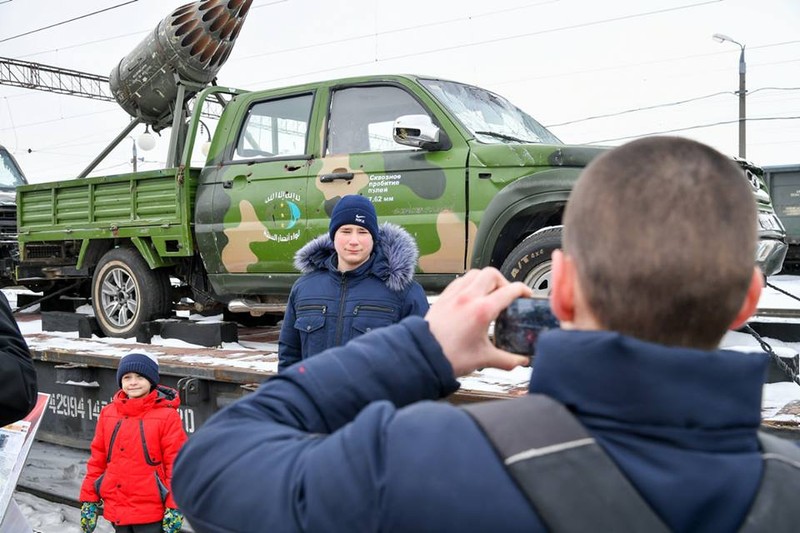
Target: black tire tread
548, 239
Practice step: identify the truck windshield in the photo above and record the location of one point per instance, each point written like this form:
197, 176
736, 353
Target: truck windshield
490, 117
10, 175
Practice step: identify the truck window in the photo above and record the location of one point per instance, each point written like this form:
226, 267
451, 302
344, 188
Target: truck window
10, 175
361, 118
489, 117
275, 128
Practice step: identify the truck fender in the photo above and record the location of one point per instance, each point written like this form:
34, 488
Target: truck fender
149, 253
523, 207
91, 251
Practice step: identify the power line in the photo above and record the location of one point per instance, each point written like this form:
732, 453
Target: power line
774, 89
268, 4
667, 104
123, 35
67, 21
501, 39
646, 108
563, 28
396, 30
70, 117
644, 63
696, 127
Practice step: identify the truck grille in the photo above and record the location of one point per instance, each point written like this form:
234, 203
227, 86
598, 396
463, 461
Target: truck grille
44, 251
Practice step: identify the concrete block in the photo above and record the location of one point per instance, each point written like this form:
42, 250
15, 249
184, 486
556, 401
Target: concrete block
204, 334
85, 325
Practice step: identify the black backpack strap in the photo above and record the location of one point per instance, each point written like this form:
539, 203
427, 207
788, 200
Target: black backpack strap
775, 507
570, 481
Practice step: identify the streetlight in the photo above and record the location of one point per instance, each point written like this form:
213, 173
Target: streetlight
146, 142
742, 91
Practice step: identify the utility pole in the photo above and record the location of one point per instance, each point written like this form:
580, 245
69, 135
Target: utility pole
742, 92
742, 105
135, 157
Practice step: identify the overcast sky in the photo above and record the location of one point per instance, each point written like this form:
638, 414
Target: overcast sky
560, 60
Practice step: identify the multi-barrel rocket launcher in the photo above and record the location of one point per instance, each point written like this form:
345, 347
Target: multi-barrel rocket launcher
155, 82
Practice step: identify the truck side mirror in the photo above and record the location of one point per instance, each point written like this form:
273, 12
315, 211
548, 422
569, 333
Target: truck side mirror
418, 131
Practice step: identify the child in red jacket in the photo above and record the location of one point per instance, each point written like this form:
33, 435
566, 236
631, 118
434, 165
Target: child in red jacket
137, 439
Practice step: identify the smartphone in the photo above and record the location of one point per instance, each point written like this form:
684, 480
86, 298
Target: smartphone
518, 326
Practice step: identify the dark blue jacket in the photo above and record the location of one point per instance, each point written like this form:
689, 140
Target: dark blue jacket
343, 442
327, 308
18, 387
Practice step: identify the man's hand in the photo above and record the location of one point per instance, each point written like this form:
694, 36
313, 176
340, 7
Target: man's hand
460, 318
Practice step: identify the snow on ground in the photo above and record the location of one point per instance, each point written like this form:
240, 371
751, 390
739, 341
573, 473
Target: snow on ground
48, 517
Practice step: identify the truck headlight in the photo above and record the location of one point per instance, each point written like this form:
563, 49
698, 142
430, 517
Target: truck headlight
769, 222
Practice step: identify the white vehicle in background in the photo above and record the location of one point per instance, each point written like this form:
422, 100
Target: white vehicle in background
11, 176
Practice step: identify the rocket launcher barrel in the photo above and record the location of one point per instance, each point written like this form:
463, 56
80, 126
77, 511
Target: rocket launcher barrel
194, 41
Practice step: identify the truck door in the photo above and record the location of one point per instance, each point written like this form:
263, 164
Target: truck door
258, 214
423, 191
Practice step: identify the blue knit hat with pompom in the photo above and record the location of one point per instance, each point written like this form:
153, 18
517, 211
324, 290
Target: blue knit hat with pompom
143, 363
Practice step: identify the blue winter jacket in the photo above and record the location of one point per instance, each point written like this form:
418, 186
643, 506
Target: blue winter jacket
342, 441
327, 308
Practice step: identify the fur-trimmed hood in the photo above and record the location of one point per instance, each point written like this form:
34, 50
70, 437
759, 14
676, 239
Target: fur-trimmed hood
393, 259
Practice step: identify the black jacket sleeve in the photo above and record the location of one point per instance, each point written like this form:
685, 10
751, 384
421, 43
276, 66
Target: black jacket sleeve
18, 388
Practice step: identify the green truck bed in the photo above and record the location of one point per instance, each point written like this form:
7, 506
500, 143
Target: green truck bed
155, 206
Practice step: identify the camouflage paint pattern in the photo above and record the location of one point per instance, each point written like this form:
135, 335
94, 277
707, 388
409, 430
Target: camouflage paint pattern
237, 256
423, 191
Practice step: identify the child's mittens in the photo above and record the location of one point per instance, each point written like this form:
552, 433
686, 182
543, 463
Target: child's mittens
89, 512
173, 521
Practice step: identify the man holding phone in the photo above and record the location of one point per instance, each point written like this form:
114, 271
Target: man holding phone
657, 263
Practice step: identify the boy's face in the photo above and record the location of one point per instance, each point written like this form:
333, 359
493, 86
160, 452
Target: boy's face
353, 246
135, 385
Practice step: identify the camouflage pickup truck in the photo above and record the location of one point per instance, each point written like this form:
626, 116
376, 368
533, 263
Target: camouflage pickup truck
472, 177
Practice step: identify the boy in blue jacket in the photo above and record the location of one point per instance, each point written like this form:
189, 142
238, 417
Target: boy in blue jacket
356, 278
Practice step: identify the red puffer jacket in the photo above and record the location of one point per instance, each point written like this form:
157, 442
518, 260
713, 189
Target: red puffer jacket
133, 450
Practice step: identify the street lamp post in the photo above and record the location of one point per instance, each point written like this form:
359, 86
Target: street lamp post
145, 142
742, 93
135, 157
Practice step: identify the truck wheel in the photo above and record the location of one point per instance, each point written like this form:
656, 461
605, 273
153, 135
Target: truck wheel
530, 261
126, 293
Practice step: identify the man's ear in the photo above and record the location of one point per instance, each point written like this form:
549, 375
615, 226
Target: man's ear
562, 289
750, 300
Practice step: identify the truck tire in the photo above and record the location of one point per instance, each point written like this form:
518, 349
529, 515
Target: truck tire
126, 293
530, 263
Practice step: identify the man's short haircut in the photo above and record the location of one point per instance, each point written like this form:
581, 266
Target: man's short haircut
663, 233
